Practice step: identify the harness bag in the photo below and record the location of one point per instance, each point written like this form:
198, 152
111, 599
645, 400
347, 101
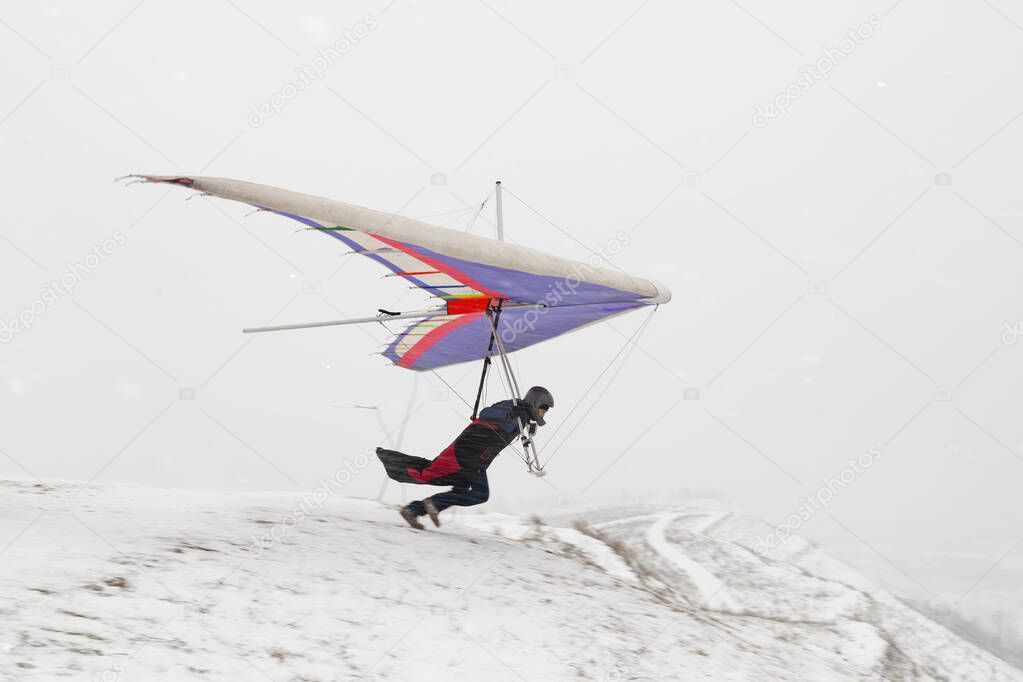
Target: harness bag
471, 453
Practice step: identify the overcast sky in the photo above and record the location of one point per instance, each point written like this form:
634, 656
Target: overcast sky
831, 192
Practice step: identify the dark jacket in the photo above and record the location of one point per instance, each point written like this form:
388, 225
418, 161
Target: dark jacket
469, 455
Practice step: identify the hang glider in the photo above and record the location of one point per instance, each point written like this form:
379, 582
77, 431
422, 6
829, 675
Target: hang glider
484, 286
494, 297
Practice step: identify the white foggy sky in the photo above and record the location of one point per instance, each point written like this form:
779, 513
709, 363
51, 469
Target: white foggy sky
920, 277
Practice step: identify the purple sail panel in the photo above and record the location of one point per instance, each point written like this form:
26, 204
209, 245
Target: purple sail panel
355, 246
466, 339
529, 288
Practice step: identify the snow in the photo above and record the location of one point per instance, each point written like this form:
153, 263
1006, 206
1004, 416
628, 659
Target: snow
712, 591
123, 582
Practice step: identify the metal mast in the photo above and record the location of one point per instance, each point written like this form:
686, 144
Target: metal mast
500, 212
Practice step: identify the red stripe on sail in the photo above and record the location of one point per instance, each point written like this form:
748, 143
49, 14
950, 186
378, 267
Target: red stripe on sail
434, 336
454, 273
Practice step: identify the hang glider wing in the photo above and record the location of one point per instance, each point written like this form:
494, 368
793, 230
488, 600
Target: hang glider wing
542, 295
440, 341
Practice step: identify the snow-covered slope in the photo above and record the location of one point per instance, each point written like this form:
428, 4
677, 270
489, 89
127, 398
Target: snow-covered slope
130, 583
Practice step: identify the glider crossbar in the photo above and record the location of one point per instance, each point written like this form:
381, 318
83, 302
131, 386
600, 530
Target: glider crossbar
418, 314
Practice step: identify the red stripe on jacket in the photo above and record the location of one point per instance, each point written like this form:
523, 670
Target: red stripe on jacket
445, 463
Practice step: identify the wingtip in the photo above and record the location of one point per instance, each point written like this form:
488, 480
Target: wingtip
663, 293
182, 180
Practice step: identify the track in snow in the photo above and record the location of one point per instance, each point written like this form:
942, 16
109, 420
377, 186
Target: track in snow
714, 593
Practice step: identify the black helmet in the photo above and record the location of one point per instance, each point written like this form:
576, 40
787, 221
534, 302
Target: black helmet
538, 397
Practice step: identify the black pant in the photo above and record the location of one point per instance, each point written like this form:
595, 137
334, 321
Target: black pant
477, 491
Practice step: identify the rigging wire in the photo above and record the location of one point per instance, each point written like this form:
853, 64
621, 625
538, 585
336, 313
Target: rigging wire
515, 449
408, 411
451, 388
512, 386
401, 435
629, 344
485, 387
473, 212
464, 212
510, 391
472, 222
444, 213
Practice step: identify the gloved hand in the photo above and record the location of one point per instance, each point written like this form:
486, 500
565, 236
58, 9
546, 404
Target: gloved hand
527, 437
